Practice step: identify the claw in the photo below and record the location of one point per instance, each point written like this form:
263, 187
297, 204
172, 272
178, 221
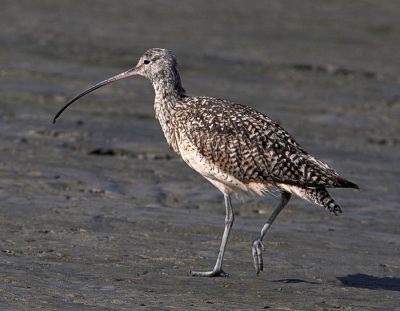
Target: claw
257, 249
213, 273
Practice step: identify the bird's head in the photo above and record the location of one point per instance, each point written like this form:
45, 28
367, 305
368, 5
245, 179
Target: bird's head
155, 64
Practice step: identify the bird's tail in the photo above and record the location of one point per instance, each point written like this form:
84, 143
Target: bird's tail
317, 195
344, 183
322, 197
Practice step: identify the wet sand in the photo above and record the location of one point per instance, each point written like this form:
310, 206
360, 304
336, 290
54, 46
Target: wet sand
97, 213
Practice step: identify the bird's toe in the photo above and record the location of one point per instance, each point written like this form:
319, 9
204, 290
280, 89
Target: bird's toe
213, 273
257, 249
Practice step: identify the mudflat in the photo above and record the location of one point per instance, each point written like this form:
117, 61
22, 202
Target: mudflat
97, 212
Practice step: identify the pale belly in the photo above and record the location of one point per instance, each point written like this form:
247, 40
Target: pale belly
224, 181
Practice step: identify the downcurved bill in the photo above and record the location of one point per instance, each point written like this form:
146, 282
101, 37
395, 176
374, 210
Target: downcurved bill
126, 74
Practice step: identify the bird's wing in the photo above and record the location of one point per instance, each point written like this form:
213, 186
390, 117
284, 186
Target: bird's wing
248, 145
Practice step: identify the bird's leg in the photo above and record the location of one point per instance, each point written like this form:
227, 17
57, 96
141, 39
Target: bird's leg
217, 271
258, 247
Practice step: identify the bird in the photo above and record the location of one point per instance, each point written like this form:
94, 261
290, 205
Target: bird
236, 148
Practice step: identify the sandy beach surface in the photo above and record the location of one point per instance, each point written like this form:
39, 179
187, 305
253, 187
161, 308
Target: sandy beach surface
98, 213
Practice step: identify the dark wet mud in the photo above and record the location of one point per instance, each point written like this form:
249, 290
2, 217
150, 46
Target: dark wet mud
97, 213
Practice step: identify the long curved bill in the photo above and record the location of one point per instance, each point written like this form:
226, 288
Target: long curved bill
126, 74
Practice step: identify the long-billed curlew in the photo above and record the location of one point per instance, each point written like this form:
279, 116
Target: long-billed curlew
236, 148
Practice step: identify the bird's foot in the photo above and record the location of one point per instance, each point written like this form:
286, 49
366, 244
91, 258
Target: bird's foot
257, 250
213, 273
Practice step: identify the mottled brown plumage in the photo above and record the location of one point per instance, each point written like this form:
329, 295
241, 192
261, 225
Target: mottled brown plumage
238, 149
249, 145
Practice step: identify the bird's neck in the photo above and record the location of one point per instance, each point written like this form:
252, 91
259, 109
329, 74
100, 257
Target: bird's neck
169, 94
168, 87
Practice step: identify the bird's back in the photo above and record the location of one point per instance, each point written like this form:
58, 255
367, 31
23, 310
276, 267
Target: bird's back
248, 145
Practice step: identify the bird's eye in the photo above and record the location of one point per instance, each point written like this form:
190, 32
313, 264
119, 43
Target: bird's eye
146, 62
